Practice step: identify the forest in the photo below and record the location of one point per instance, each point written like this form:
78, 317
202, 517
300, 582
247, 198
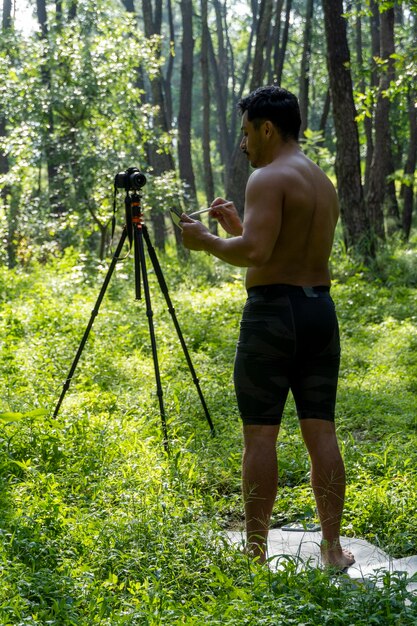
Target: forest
109, 516
94, 88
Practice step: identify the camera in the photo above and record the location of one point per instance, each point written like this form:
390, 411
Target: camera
130, 179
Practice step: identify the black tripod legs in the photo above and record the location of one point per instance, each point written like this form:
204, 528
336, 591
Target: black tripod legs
91, 322
164, 289
139, 233
139, 249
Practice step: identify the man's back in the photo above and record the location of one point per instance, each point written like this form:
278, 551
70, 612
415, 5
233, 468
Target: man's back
307, 201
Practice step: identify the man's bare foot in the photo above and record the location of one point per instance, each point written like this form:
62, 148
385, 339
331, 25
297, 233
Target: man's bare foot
334, 556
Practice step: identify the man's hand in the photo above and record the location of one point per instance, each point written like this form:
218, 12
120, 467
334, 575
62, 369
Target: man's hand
194, 233
226, 214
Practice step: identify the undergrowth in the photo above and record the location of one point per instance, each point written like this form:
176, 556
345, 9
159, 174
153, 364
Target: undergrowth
99, 525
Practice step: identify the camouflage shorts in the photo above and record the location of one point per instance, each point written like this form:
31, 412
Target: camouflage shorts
289, 339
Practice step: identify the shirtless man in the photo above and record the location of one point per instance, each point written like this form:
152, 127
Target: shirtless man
289, 336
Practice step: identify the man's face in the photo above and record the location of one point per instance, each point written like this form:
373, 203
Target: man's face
251, 143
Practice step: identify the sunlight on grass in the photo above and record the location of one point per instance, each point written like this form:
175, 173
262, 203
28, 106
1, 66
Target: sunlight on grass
100, 526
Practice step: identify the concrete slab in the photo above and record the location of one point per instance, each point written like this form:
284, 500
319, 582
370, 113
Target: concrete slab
305, 547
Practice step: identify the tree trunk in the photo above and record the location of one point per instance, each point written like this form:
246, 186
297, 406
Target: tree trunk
48, 141
238, 175
283, 48
184, 115
388, 52
220, 90
262, 37
222, 51
382, 157
160, 162
362, 86
325, 113
7, 15
170, 66
273, 44
407, 190
352, 207
305, 67
237, 172
10, 207
205, 78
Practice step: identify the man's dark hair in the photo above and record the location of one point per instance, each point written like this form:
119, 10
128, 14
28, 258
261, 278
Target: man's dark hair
275, 104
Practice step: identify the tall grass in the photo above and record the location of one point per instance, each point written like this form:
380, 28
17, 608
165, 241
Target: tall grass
100, 526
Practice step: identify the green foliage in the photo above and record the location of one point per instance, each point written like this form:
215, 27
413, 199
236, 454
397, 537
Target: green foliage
314, 148
99, 526
73, 100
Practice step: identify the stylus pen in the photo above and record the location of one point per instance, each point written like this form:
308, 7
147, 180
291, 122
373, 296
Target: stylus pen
207, 209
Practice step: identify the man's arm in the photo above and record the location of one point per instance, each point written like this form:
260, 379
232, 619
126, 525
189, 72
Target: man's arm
261, 226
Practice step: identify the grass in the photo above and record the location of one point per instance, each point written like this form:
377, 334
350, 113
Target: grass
100, 526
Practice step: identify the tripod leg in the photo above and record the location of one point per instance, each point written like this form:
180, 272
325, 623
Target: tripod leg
138, 230
91, 322
164, 289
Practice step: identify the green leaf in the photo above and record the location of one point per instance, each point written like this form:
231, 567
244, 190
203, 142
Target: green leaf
9, 416
36, 413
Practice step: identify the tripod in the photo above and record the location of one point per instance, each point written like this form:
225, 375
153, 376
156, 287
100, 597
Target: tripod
137, 232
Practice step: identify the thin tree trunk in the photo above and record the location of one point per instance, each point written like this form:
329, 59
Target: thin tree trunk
305, 67
223, 127
10, 207
170, 65
325, 113
407, 190
262, 37
382, 157
283, 48
362, 85
273, 44
7, 15
184, 115
50, 151
237, 172
245, 74
388, 52
160, 162
222, 52
208, 170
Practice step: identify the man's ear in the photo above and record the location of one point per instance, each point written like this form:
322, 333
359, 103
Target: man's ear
268, 128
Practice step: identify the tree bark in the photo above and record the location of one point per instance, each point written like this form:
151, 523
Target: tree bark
363, 87
352, 206
184, 115
10, 207
325, 113
160, 162
382, 157
305, 67
170, 65
220, 90
7, 15
407, 190
283, 47
50, 150
262, 37
273, 44
205, 77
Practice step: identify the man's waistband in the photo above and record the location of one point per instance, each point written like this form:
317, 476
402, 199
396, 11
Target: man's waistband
281, 289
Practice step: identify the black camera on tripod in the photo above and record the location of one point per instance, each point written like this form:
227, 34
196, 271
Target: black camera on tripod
131, 179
